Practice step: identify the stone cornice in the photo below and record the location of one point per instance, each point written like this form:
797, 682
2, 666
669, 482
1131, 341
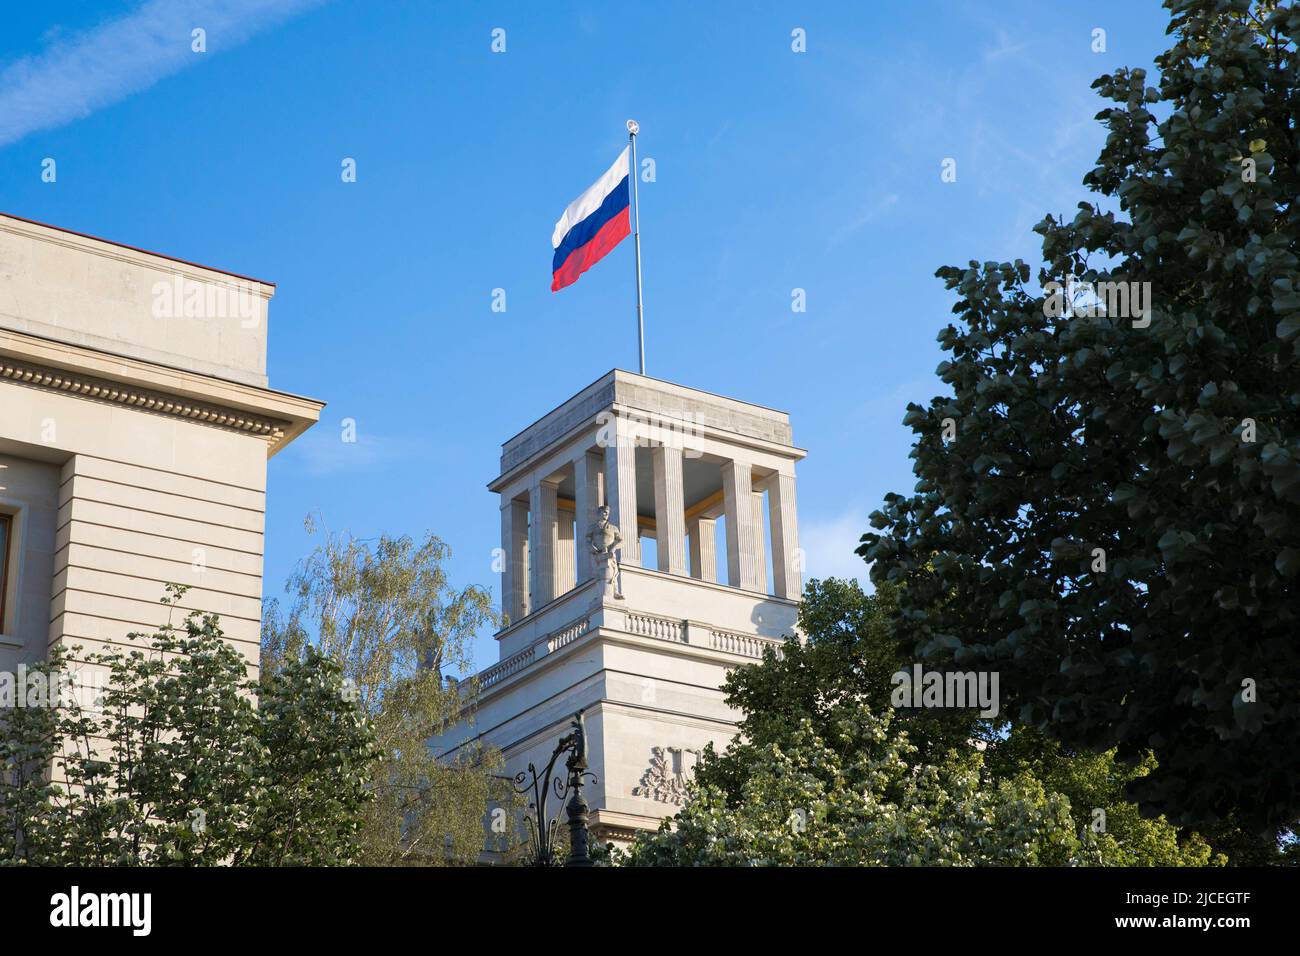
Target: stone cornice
556, 450
648, 401
81, 241
618, 832
42, 363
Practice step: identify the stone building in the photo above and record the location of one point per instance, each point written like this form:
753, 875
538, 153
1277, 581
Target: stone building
135, 426
704, 483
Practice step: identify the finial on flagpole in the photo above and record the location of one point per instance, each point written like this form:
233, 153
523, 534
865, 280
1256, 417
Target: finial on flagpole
633, 127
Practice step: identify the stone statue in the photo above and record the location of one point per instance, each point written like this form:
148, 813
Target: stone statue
604, 540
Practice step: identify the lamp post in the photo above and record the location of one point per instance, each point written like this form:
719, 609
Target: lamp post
541, 829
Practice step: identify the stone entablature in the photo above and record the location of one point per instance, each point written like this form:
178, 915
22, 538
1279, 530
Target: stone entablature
124, 391
654, 400
111, 298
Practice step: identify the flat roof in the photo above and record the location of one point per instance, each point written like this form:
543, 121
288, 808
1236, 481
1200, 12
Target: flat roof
123, 245
662, 381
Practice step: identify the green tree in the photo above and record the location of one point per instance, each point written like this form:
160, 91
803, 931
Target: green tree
159, 756
848, 661
320, 756
1107, 509
386, 612
1094, 784
29, 739
808, 804
825, 770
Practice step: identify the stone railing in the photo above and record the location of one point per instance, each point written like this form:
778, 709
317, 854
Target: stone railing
644, 625
746, 645
567, 635
513, 665
660, 628
503, 669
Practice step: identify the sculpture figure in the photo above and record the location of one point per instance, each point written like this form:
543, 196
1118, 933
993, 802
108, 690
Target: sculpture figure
604, 539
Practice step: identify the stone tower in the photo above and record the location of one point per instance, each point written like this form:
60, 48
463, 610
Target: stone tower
703, 483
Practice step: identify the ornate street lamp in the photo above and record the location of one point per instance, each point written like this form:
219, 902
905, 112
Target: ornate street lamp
541, 829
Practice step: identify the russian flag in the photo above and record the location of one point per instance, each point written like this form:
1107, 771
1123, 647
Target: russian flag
594, 223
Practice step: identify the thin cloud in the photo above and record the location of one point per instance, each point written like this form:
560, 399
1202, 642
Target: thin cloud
79, 74
873, 210
322, 452
1005, 48
829, 545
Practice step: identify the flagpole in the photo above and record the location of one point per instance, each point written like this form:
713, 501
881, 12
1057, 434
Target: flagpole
632, 129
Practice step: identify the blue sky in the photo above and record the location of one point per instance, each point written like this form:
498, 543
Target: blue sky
775, 170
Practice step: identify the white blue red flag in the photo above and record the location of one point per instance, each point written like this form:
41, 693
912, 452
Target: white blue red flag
594, 223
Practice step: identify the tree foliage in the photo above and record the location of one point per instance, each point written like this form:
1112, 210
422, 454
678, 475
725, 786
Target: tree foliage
158, 755
1111, 519
824, 770
807, 803
385, 611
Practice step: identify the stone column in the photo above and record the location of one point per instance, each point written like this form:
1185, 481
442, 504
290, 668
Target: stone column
565, 558
670, 509
541, 565
737, 498
704, 548
589, 494
760, 545
620, 491
787, 564
514, 560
